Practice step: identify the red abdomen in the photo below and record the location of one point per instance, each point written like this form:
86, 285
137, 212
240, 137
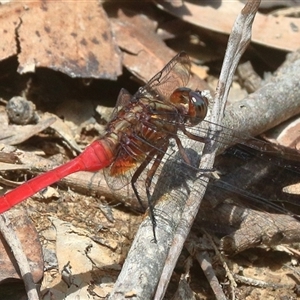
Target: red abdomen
95, 157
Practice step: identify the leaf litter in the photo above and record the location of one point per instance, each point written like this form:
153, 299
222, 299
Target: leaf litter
97, 41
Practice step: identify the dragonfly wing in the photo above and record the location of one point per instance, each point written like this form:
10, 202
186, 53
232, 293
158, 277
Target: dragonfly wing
175, 74
124, 98
119, 181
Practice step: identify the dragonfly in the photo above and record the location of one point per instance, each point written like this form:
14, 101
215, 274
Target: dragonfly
139, 132
142, 129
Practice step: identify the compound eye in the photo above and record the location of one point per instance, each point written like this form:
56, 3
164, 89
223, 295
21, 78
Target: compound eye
198, 107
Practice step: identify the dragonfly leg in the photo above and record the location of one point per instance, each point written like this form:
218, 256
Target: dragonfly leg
182, 151
135, 177
193, 136
137, 174
159, 155
148, 181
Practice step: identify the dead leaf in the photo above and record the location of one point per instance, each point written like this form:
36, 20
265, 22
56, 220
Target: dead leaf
293, 189
269, 4
286, 134
276, 32
76, 114
9, 167
26, 232
9, 16
7, 157
63, 130
78, 255
16, 134
84, 48
145, 52
103, 290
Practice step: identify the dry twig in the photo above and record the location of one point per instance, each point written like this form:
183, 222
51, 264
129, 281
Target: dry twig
9, 234
238, 41
143, 265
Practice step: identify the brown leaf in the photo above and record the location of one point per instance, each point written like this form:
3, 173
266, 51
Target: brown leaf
9, 20
63, 130
28, 236
277, 32
16, 134
145, 51
72, 37
285, 134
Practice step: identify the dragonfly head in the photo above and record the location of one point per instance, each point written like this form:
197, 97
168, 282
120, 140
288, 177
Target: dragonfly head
191, 103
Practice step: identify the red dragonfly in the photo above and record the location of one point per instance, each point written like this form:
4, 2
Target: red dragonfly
139, 132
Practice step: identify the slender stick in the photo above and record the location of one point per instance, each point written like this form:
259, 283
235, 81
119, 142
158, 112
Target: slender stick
239, 38
16, 247
143, 265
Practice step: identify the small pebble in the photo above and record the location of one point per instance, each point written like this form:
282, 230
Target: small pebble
21, 111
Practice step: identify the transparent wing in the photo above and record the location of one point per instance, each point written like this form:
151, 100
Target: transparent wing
175, 74
160, 87
124, 98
